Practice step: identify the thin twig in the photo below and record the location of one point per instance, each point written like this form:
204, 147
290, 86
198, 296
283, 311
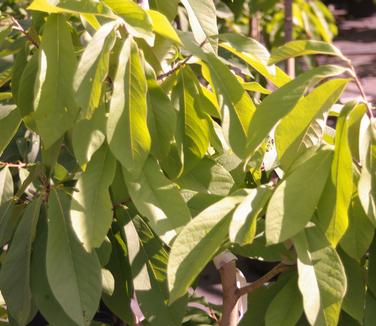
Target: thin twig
179, 65
360, 87
17, 26
16, 165
262, 280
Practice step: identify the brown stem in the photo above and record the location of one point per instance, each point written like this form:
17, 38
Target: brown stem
290, 64
360, 87
15, 165
230, 298
262, 280
18, 27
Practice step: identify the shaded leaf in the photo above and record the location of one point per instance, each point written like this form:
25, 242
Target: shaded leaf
10, 120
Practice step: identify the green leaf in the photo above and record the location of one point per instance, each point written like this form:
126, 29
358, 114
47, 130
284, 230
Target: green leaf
55, 109
286, 216
89, 135
256, 87
10, 120
197, 243
137, 21
294, 127
71, 6
244, 220
91, 208
77, 291
148, 261
304, 47
10, 214
254, 54
163, 27
6, 186
161, 120
92, 69
157, 198
335, 201
19, 65
15, 269
207, 177
168, 8
278, 104
192, 124
237, 107
319, 265
120, 300
41, 290
355, 298
286, 307
25, 97
127, 130
203, 20
360, 232
367, 181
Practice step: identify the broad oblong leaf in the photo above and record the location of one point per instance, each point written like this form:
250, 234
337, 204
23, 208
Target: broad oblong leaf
285, 215
244, 220
10, 120
55, 108
367, 181
127, 131
335, 201
236, 105
294, 127
278, 104
6, 186
168, 8
157, 198
15, 269
304, 47
93, 69
163, 27
74, 274
148, 261
197, 243
203, 20
91, 208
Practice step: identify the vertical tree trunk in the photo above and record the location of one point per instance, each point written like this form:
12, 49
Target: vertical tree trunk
290, 64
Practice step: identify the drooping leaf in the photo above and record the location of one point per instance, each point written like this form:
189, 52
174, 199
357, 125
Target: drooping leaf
360, 232
74, 275
89, 135
41, 290
285, 215
15, 269
203, 20
207, 177
192, 124
55, 108
197, 243
148, 261
294, 127
6, 186
158, 199
304, 47
161, 120
93, 69
163, 27
236, 105
9, 122
91, 208
335, 201
244, 220
286, 307
127, 130
168, 8
282, 101
319, 263
137, 21
254, 54
367, 181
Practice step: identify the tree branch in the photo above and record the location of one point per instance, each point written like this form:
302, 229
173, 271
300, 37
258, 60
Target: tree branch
290, 64
262, 280
17, 26
16, 165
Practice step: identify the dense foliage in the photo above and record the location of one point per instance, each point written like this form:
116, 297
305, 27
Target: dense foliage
137, 144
